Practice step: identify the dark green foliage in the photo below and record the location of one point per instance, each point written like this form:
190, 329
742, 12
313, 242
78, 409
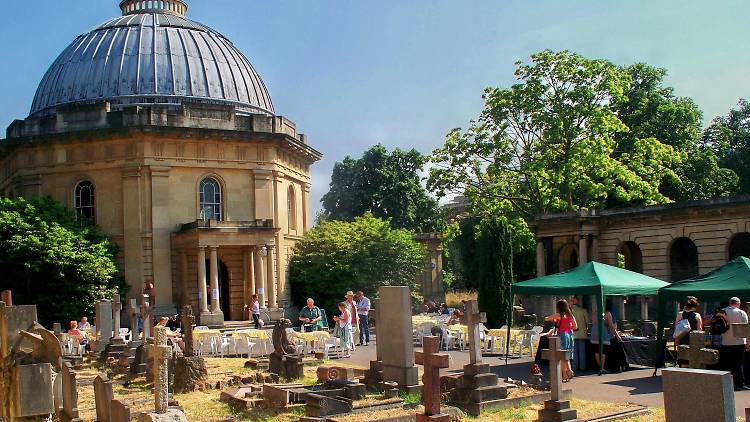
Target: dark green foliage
729, 136
387, 185
364, 254
495, 272
50, 260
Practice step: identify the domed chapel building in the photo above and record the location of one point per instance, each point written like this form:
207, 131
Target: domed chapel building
158, 129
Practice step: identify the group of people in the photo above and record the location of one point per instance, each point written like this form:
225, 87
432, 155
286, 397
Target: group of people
352, 319
732, 350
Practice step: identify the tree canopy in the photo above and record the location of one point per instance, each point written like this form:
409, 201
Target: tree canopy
363, 254
387, 185
729, 136
46, 250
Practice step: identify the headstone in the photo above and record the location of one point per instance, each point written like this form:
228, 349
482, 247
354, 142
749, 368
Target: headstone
162, 353
696, 354
275, 396
116, 314
33, 390
103, 324
7, 297
332, 372
396, 342
188, 322
477, 388
431, 394
556, 409
319, 406
70, 395
147, 316
103, 396
57, 328
120, 411
134, 313
698, 395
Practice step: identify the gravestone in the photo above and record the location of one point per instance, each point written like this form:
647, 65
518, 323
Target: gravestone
395, 341
134, 314
116, 314
33, 390
432, 361
103, 325
188, 322
698, 395
477, 388
120, 411
161, 352
7, 297
696, 354
317, 405
103, 396
555, 409
57, 328
70, 395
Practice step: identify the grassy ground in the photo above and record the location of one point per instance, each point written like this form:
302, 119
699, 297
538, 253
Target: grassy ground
205, 405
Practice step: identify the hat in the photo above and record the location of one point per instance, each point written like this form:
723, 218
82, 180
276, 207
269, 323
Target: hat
349, 293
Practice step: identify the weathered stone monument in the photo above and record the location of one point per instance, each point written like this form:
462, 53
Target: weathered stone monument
432, 361
696, 354
103, 325
698, 395
556, 409
120, 411
161, 353
134, 313
70, 395
283, 360
394, 342
190, 372
147, 317
103, 396
477, 388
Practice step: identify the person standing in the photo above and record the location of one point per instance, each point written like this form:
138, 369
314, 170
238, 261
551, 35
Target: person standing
363, 314
565, 324
353, 314
255, 311
732, 351
344, 329
580, 334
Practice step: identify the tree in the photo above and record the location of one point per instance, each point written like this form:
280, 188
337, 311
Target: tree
651, 110
388, 185
548, 143
364, 254
729, 137
495, 274
50, 260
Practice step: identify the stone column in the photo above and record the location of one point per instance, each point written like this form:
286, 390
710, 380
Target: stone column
305, 207
213, 267
594, 254
541, 259
643, 300
621, 308
161, 230
583, 249
251, 285
270, 279
202, 294
116, 313
162, 353
132, 246
260, 287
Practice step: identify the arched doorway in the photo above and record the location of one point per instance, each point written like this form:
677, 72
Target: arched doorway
739, 245
631, 256
683, 259
568, 257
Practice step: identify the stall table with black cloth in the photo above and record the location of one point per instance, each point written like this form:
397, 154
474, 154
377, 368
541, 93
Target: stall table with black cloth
592, 278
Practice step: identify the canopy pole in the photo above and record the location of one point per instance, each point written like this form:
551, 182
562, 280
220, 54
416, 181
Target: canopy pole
510, 322
600, 316
660, 357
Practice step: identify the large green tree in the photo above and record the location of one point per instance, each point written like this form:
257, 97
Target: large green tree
50, 260
363, 254
386, 184
729, 136
549, 143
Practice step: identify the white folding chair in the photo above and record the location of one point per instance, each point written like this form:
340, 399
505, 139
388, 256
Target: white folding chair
450, 339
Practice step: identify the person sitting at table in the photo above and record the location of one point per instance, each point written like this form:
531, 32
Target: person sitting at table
455, 317
311, 317
84, 325
176, 337
444, 309
76, 334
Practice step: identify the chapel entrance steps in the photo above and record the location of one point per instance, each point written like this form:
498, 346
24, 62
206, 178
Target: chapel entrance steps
245, 325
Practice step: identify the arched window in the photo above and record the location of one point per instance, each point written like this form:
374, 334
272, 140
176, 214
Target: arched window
210, 200
739, 246
683, 259
84, 202
291, 208
631, 256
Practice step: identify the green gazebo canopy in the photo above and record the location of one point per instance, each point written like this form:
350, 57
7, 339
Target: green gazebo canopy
592, 278
731, 279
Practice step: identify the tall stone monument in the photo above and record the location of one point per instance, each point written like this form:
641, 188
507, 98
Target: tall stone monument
103, 325
162, 352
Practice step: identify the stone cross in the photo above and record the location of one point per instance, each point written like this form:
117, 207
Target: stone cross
697, 355
134, 313
554, 355
162, 352
472, 318
432, 361
116, 312
146, 314
187, 319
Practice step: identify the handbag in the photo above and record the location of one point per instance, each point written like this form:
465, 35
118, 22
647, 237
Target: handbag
681, 328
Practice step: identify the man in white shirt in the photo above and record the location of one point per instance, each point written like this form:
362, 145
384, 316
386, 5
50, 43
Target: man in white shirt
732, 352
363, 313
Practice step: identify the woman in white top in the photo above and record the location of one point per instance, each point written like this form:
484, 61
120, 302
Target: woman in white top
344, 329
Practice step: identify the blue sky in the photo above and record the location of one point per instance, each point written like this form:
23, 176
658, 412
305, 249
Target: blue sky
355, 73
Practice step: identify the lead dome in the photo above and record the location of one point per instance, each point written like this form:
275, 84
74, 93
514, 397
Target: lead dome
152, 54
